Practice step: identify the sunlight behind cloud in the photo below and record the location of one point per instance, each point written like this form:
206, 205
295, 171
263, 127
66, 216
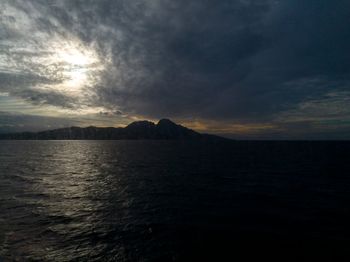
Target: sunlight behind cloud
76, 57
78, 65
47, 68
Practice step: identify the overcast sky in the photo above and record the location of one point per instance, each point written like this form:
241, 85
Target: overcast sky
263, 69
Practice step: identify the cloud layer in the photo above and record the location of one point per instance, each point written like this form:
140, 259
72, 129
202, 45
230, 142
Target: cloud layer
271, 66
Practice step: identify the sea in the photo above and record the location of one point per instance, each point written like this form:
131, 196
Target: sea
174, 201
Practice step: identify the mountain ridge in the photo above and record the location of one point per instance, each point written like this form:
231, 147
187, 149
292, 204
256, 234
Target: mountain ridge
165, 129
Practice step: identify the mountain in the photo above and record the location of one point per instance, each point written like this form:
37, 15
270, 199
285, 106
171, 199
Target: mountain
165, 129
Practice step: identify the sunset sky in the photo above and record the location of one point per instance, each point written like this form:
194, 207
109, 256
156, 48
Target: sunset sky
264, 69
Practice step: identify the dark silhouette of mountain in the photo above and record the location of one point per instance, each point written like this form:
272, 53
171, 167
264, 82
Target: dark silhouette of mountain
165, 129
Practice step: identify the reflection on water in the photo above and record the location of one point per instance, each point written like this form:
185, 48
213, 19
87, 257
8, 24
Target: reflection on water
121, 201
61, 192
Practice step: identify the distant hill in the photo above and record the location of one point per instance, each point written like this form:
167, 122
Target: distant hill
165, 129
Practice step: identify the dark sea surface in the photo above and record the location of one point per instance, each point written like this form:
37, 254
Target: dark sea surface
174, 201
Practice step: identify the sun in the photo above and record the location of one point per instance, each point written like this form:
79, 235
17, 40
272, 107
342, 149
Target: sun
75, 57
75, 70
76, 64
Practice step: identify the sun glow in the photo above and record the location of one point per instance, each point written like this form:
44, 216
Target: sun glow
76, 57
77, 66
73, 70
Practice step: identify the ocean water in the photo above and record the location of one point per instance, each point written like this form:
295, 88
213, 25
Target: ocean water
174, 201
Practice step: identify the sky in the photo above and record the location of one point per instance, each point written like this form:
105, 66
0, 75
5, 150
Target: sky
246, 69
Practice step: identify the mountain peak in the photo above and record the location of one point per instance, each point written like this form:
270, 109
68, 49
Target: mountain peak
143, 123
166, 121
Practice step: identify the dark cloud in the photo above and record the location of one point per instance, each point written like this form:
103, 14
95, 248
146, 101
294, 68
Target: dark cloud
175, 58
244, 60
